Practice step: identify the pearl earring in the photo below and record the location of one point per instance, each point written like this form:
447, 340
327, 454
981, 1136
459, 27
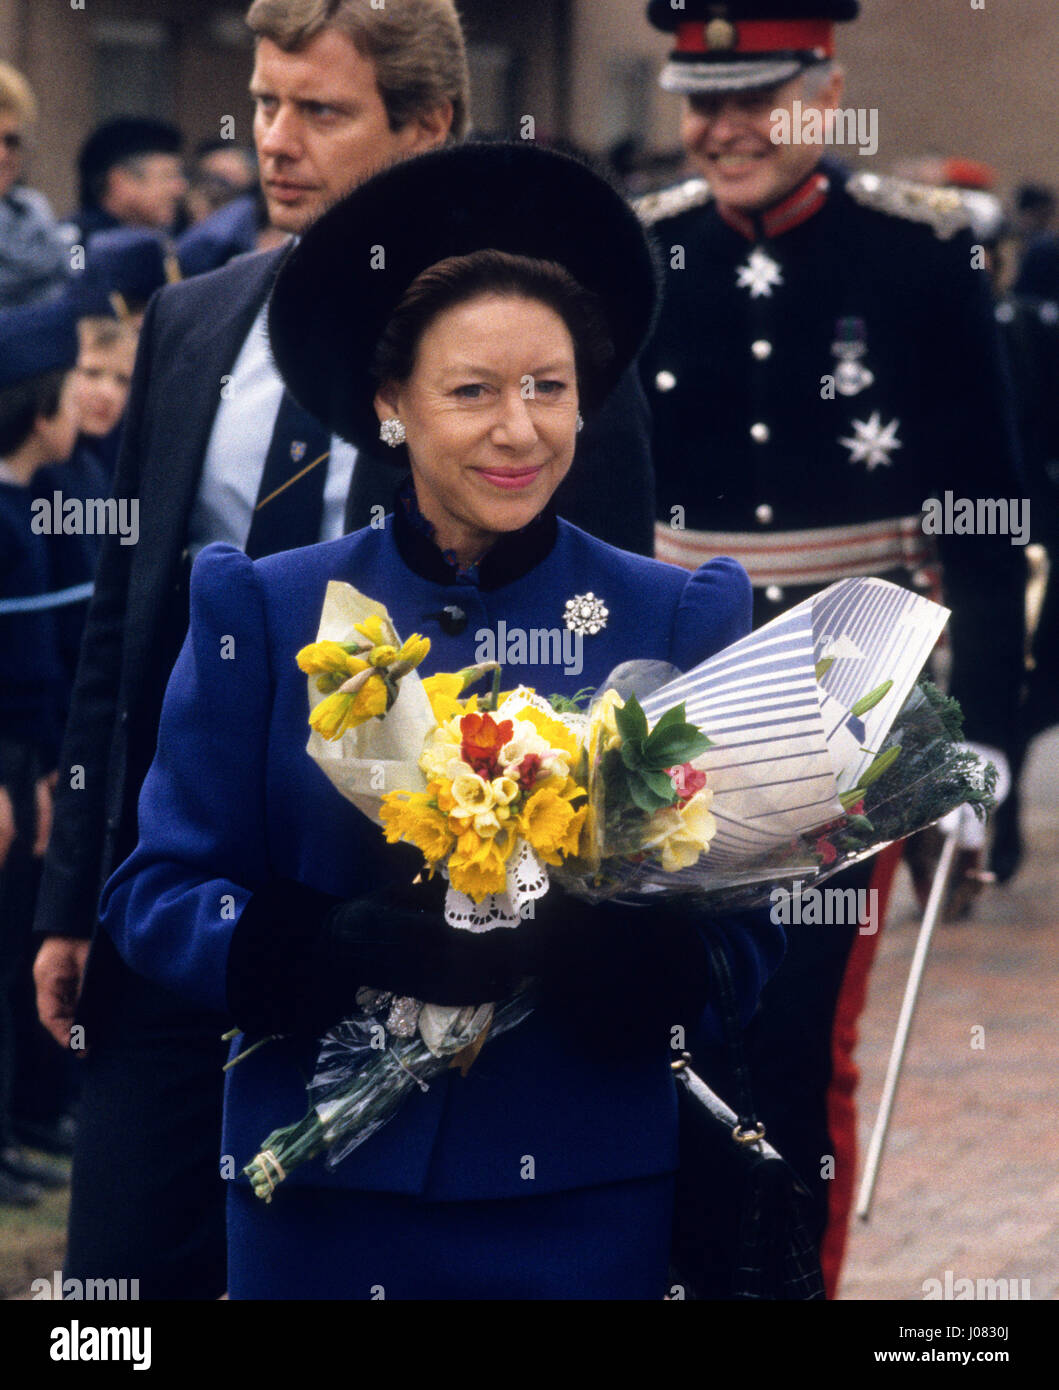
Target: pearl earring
392, 432
580, 422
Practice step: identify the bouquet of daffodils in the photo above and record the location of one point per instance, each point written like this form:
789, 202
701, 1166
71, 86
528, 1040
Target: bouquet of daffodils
797, 751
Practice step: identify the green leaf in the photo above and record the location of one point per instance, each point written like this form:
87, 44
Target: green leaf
572, 704
644, 797
661, 784
881, 764
869, 701
676, 746
632, 756
822, 667
631, 721
672, 718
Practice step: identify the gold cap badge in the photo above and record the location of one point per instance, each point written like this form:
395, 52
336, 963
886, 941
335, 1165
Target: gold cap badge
720, 35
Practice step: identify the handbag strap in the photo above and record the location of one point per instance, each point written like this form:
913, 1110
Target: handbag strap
728, 1012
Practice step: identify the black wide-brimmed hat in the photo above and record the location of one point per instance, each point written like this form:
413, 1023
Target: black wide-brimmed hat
339, 286
736, 45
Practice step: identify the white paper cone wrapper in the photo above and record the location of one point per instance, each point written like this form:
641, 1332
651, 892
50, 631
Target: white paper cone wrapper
382, 755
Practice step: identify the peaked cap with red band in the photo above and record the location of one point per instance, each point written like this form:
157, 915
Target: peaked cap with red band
737, 45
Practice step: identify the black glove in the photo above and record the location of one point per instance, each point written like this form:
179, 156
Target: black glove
298, 956
618, 977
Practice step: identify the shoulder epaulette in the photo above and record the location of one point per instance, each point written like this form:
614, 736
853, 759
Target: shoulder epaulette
667, 202
944, 209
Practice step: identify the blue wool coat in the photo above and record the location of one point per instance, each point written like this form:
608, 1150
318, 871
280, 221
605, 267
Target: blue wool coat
233, 802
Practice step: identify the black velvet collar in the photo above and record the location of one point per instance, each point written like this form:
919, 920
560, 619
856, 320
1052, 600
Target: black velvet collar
513, 555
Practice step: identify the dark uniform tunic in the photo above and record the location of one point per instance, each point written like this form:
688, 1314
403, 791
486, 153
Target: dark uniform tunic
818, 373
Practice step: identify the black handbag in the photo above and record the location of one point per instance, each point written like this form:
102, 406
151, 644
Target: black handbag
740, 1220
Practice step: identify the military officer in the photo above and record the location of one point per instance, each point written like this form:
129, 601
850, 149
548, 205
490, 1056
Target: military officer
826, 362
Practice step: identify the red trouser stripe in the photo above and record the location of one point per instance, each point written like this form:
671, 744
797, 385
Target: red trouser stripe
841, 1111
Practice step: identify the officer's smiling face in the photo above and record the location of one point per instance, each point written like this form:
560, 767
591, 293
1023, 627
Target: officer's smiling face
490, 412
729, 138
320, 126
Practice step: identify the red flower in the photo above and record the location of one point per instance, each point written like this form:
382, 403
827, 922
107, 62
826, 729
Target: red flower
687, 780
826, 850
483, 739
529, 769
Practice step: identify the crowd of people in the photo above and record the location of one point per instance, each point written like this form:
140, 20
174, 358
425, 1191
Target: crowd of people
826, 349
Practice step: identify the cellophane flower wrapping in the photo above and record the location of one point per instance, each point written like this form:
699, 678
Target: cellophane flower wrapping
823, 750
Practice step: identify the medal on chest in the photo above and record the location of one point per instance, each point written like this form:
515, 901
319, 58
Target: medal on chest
873, 442
759, 274
851, 343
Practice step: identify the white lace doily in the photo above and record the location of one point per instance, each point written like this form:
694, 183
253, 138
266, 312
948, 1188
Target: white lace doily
527, 879
523, 695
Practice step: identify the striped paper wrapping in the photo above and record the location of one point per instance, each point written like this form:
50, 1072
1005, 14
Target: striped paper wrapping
784, 743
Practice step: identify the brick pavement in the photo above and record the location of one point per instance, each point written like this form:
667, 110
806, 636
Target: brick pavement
970, 1177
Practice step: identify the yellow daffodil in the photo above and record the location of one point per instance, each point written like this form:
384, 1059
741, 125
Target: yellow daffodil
505, 789
555, 734
603, 728
443, 691
440, 751
409, 816
684, 833
372, 628
347, 709
566, 787
330, 663
468, 843
546, 822
472, 794
413, 650
487, 823
382, 656
325, 658
570, 845
479, 867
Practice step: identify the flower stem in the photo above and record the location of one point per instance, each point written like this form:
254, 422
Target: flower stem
283, 1150
271, 1037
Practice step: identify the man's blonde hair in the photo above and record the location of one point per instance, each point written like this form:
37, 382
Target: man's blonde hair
16, 94
415, 46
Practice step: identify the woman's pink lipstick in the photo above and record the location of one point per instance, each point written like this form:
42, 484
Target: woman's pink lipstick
513, 480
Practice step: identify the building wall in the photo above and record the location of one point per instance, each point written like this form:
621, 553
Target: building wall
945, 77
204, 53
201, 49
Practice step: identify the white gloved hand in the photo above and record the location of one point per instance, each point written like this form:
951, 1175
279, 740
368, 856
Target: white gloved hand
962, 821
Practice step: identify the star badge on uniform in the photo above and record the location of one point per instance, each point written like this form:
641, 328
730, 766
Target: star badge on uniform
585, 613
759, 274
873, 443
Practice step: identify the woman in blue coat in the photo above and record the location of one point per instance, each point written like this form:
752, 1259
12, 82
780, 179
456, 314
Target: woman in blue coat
469, 305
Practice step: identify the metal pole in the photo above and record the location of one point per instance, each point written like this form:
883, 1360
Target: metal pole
904, 1024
